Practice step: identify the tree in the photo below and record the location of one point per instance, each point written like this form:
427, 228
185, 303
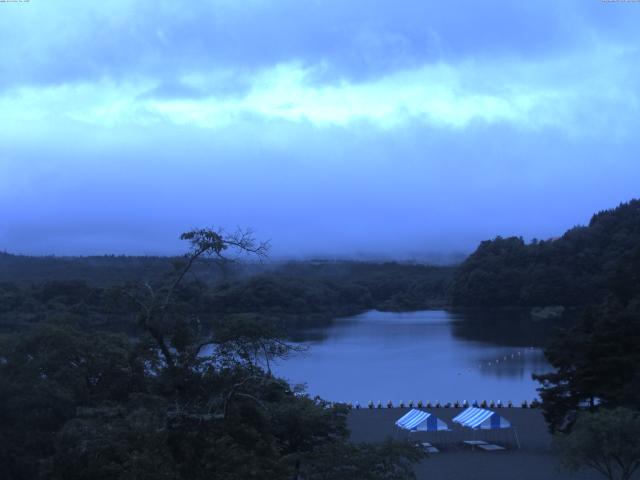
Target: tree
47, 375
390, 460
181, 400
574, 269
156, 301
596, 365
250, 340
607, 441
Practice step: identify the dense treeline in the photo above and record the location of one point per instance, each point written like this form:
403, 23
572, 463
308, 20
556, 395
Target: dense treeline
597, 359
343, 288
173, 401
592, 398
294, 294
97, 270
79, 404
573, 270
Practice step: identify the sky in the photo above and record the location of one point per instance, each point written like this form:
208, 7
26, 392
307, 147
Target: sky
339, 128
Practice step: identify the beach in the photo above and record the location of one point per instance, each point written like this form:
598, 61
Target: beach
535, 459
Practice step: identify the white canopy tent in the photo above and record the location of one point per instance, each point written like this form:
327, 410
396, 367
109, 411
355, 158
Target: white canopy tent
482, 419
479, 418
420, 421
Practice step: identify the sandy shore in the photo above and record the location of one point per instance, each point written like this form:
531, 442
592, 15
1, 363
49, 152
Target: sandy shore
534, 460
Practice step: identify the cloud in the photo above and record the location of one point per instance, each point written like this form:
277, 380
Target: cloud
48, 43
531, 95
333, 191
329, 126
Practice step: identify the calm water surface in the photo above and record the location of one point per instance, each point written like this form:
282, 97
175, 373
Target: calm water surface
427, 355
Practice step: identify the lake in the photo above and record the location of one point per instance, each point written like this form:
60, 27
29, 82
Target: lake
431, 355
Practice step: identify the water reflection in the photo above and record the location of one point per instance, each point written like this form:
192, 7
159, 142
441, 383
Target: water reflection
504, 327
429, 355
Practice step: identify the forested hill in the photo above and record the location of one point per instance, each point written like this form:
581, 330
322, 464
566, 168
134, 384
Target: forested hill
103, 270
576, 269
297, 293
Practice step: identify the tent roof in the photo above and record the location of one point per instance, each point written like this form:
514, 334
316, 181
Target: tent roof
481, 418
420, 420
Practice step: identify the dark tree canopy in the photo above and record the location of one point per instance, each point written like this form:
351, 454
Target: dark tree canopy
575, 269
597, 360
175, 400
596, 365
607, 441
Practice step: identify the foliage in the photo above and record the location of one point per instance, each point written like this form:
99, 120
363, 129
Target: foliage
607, 441
175, 400
45, 375
288, 296
596, 361
575, 269
365, 461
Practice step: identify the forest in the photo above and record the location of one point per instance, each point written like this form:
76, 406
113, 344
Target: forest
169, 396
577, 269
291, 294
125, 367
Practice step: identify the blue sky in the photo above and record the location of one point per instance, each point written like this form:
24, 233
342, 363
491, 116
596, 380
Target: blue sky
335, 127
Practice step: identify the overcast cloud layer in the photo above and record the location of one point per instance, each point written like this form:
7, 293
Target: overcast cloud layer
334, 127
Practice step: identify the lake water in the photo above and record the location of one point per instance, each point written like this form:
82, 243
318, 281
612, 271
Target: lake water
427, 355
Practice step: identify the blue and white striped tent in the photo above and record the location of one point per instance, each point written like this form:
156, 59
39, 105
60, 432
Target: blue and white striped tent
479, 418
419, 421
